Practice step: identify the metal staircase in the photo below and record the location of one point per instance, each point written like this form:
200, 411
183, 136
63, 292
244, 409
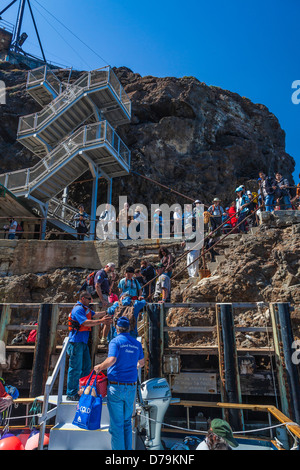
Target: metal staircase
72, 134
65, 436
97, 94
43, 85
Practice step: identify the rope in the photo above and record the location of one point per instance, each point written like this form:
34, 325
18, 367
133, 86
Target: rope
235, 433
23, 417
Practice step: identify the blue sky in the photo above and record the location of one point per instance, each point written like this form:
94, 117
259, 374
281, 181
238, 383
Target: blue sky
248, 47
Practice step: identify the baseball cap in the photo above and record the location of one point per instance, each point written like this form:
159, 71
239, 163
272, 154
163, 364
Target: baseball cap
123, 322
111, 265
159, 265
222, 429
240, 188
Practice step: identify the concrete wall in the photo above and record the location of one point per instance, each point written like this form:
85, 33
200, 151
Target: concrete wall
35, 256
19, 257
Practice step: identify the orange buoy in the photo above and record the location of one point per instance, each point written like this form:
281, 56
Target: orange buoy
11, 443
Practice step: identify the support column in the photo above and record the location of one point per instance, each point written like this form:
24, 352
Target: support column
94, 206
109, 191
44, 209
42, 352
154, 365
228, 365
287, 371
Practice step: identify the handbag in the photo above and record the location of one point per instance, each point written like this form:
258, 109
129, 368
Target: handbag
89, 409
101, 383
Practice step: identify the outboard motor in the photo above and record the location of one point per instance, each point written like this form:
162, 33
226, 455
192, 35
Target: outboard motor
155, 400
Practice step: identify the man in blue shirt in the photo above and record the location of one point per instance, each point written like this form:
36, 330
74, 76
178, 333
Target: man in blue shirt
81, 321
130, 287
125, 356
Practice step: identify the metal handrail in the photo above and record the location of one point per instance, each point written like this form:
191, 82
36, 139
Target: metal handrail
85, 83
59, 371
84, 137
42, 74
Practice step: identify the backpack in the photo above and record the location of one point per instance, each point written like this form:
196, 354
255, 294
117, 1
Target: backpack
32, 336
125, 311
19, 228
206, 216
88, 284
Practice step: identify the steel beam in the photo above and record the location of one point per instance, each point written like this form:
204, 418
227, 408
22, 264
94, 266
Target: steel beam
287, 370
228, 365
42, 351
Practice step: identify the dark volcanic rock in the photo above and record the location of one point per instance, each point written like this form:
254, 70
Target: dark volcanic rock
200, 140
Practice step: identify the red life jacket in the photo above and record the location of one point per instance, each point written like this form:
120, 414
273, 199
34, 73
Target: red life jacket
74, 325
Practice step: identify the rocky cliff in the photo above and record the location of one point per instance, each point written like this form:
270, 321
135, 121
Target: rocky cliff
200, 140
261, 267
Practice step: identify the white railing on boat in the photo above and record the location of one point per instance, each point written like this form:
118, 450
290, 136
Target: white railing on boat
59, 371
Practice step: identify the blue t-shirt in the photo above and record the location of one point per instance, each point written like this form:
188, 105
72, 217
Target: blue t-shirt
79, 314
131, 287
101, 278
128, 352
137, 307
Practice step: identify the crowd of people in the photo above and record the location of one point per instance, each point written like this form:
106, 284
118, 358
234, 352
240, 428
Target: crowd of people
273, 193
125, 352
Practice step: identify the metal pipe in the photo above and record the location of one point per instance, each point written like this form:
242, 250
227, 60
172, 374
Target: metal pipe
291, 374
153, 314
230, 379
42, 351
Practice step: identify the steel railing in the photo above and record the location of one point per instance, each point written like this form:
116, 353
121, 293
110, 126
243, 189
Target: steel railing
93, 134
59, 372
44, 74
87, 82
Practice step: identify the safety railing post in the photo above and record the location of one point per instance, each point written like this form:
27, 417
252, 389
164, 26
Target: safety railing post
287, 370
228, 364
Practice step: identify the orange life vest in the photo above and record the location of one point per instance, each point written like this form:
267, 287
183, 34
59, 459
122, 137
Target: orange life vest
74, 325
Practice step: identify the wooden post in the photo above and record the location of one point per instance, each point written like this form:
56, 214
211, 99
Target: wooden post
42, 352
5, 318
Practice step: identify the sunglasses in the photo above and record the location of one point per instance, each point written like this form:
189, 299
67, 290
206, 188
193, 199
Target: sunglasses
88, 298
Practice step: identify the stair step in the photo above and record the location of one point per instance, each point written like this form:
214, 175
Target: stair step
69, 437
66, 436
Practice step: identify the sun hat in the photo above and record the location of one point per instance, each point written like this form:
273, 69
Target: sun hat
111, 265
159, 265
240, 188
222, 429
